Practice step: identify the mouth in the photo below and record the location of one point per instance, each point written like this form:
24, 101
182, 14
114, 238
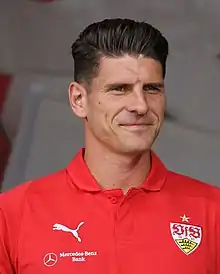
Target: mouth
135, 127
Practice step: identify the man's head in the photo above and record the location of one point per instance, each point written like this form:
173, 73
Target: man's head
119, 70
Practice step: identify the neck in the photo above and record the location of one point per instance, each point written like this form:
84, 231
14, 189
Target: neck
115, 171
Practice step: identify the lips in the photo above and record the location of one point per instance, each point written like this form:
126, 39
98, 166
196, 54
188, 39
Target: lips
135, 127
135, 124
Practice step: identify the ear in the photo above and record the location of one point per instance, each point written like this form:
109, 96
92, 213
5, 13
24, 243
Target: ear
78, 99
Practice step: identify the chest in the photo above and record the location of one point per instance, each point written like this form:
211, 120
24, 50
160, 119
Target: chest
138, 236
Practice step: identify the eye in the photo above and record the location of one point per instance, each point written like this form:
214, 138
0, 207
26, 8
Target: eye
120, 88
152, 88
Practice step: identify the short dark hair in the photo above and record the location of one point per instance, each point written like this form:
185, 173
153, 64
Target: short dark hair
115, 38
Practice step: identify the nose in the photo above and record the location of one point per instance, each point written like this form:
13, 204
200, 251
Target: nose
138, 103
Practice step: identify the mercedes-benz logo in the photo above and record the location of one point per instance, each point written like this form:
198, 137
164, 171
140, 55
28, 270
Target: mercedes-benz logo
50, 259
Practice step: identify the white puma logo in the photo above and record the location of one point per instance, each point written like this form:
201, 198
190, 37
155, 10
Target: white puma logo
66, 229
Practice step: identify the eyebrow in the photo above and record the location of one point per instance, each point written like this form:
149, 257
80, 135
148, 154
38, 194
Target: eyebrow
118, 84
157, 85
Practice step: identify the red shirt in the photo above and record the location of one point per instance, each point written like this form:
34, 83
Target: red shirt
65, 223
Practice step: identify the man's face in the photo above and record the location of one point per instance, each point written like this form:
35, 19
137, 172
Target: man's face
125, 105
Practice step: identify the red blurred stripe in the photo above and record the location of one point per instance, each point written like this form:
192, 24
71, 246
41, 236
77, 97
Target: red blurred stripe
5, 81
5, 150
5, 146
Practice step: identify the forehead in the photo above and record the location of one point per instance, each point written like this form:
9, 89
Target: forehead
129, 69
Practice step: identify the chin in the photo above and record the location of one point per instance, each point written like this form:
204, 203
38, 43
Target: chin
135, 149
139, 143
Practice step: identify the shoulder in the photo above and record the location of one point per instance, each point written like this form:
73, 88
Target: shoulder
185, 185
13, 207
29, 196
14, 200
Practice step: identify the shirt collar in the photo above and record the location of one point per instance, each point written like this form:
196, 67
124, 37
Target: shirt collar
157, 176
83, 179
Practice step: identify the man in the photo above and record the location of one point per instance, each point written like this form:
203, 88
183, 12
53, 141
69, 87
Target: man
115, 208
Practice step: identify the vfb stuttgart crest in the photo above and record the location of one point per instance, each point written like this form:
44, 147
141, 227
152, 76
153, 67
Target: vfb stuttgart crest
187, 237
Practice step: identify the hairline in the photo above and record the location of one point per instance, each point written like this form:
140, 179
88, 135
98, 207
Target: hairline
101, 56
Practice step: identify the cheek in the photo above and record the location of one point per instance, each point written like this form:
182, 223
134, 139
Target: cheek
157, 106
97, 115
100, 115
107, 110
102, 112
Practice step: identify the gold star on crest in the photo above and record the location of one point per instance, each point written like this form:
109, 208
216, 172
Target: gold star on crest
184, 218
